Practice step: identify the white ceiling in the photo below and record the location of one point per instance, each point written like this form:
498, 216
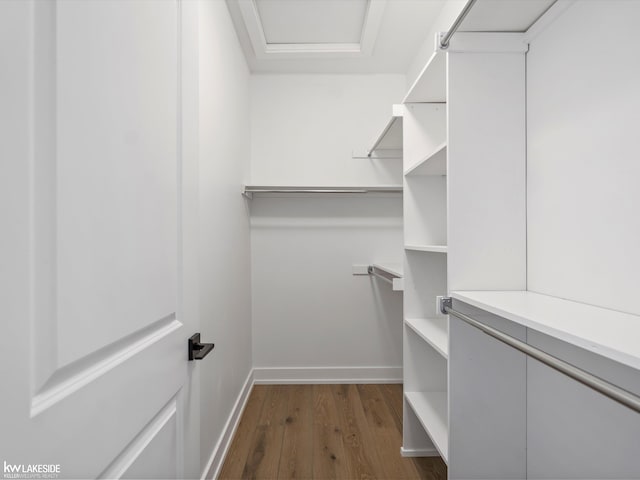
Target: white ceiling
357, 36
305, 21
332, 36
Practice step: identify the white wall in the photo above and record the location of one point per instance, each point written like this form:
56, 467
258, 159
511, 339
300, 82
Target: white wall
305, 127
224, 254
309, 311
583, 169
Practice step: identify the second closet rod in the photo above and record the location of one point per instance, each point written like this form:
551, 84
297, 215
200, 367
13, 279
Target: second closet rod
607, 389
374, 271
444, 41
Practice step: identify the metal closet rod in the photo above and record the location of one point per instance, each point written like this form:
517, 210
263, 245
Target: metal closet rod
444, 41
374, 271
607, 389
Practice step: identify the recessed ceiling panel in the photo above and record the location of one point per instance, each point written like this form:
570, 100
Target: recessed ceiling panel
312, 21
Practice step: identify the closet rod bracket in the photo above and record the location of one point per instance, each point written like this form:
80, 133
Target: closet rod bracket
445, 303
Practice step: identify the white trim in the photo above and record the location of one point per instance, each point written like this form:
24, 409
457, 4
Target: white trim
371, 26
263, 50
251, 20
311, 48
419, 452
212, 470
321, 375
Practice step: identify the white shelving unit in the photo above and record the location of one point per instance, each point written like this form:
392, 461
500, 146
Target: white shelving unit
426, 343
437, 203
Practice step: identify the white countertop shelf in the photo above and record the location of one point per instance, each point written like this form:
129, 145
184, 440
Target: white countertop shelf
434, 331
431, 410
435, 163
426, 248
608, 333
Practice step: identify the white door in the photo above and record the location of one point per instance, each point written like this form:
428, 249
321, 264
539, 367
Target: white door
93, 349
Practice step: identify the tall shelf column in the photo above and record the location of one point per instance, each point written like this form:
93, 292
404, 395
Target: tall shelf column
486, 191
426, 345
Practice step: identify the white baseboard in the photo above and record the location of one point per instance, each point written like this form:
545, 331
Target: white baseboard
419, 452
212, 470
310, 375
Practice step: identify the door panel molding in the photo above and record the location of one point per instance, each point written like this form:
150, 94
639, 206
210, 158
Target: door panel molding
127, 458
70, 378
52, 378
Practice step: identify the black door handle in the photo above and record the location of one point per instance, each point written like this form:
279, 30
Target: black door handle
197, 350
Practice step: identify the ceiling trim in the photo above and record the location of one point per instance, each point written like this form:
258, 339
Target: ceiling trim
263, 50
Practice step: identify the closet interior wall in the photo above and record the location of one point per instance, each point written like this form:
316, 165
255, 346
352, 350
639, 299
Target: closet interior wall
221, 271
313, 320
582, 191
583, 225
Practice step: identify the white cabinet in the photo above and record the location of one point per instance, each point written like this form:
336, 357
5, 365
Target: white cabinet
538, 422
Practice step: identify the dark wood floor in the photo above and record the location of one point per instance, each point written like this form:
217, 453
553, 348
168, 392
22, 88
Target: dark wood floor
323, 432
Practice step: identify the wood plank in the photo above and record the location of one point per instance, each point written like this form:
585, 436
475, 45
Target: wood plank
329, 460
431, 468
392, 394
318, 422
266, 445
239, 450
297, 444
388, 438
362, 458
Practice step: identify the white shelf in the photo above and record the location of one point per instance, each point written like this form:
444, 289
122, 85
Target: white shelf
427, 248
434, 331
250, 190
608, 333
389, 142
430, 86
431, 410
485, 16
393, 269
504, 15
392, 273
435, 163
